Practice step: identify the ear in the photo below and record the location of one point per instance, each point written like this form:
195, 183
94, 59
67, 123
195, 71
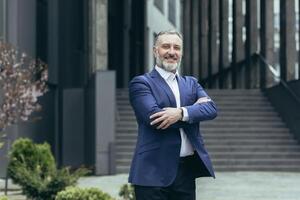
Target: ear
154, 51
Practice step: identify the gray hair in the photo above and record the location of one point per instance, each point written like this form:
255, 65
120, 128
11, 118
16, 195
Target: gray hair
168, 32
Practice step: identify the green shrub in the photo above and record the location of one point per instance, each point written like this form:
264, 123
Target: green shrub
76, 193
127, 192
3, 198
32, 166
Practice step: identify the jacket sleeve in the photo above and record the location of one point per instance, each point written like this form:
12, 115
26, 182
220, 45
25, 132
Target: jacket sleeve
201, 111
144, 103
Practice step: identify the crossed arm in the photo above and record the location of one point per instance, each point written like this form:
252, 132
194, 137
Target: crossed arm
169, 116
147, 110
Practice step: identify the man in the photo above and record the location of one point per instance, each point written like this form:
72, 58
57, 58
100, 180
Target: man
169, 153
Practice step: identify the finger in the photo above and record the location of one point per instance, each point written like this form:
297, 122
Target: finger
166, 126
163, 124
158, 114
157, 120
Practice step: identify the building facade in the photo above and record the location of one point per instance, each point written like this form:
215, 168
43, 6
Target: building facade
94, 47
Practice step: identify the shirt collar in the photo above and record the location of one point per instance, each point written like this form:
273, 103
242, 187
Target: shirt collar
165, 74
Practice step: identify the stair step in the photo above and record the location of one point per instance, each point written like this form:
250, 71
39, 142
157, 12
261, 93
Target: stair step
233, 148
222, 112
248, 134
237, 155
222, 118
229, 142
227, 136
221, 125
275, 168
254, 161
218, 131
233, 162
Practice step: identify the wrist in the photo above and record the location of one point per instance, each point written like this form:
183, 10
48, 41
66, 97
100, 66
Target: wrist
180, 113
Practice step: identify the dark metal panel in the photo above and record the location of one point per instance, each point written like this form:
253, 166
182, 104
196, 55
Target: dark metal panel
73, 68
52, 40
224, 42
137, 31
90, 123
42, 29
195, 37
213, 47
115, 39
204, 38
126, 44
73, 127
187, 39
286, 105
287, 39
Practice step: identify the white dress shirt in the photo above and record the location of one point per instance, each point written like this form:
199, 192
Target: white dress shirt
186, 147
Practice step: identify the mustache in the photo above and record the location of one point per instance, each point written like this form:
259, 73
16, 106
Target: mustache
168, 56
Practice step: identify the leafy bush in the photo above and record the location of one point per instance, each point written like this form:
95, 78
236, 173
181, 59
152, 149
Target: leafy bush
3, 198
32, 166
127, 192
76, 193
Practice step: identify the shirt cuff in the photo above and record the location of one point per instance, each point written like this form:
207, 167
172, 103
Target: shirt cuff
185, 117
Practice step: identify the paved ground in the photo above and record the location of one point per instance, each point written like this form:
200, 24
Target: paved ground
227, 186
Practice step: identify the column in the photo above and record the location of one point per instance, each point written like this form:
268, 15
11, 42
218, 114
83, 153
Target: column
287, 39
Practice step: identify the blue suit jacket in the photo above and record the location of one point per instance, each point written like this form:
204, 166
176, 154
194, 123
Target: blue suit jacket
156, 156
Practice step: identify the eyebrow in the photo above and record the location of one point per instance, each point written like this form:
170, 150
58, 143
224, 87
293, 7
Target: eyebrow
168, 43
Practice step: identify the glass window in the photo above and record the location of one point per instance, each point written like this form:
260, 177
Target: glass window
172, 11
159, 4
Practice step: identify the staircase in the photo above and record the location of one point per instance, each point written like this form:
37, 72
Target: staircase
247, 135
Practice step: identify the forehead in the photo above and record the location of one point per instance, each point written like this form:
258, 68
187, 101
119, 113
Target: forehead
169, 39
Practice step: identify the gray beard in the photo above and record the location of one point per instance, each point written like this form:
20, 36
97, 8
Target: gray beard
167, 66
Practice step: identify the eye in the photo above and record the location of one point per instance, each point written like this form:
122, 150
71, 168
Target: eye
177, 48
165, 46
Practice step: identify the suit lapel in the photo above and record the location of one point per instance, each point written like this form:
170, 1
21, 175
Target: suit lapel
164, 85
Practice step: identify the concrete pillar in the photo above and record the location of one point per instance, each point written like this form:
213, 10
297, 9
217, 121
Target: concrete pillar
267, 41
287, 39
238, 44
98, 35
105, 110
298, 40
252, 72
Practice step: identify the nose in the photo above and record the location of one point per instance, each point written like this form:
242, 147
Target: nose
171, 51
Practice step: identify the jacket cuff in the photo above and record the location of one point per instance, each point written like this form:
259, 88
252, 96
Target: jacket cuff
185, 117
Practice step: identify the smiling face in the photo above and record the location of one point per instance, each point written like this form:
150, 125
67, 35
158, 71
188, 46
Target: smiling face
168, 52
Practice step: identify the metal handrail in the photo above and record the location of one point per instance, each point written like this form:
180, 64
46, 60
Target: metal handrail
266, 64
277, 76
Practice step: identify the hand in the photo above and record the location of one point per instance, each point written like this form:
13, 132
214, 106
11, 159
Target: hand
166, 117
203, 100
